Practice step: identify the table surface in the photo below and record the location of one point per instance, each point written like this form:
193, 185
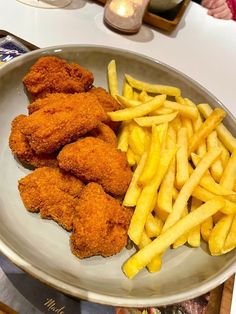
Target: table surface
201, 46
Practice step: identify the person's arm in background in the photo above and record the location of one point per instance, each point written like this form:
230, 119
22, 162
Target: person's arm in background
217, 8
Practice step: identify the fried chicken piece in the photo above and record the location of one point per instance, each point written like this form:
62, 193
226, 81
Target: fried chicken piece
100, 224
51, 74
53, 193
22, 150
92, 159
104, 133
108, 103
63, 120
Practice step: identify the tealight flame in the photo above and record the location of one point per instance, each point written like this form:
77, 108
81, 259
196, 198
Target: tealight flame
122, 7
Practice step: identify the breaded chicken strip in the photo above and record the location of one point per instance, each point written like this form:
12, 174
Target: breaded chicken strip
51, 74
100, 224
93, 160
62, 121
22, 150
53, 193
104, 133
108, 103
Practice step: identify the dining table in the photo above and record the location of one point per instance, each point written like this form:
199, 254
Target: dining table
201, 46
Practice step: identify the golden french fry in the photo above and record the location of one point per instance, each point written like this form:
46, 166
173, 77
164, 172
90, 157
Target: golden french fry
137, 139
144, 97
123, 137
136, 95
185, 111
137, 111
134, 189
224, 155
197, 123
189, 187
223, 133
204, 195
217, 216
155, 264
228, 178
180, 241
152, 88
176, 123
194, 236
145, 201
127, 102
152, 161
207, 127
219, 234
180, 100
153, 226
216, 168
187, 123
149, 121
164, 240
182, 171
208, 182
127, 91
206, 228
161, 110
112, 79
130, 157
230, 242
164, 201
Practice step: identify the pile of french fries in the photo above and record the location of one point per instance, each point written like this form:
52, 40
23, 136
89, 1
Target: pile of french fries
183, 158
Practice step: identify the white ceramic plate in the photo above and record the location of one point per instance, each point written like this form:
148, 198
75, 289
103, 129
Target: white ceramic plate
41, 247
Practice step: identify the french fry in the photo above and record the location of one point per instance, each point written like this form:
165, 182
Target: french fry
225, 155
217, 216
194, 235
180, 241
219, 234
149, 121
152, 161
112, 79
216, 168
127, 102
134, 189
176, 123
156, 263
164, 201
206, 228
185, 111
123, 137
197, 123
135, 95
223, 133
137, 111
153, 226
144, 97
137, 139
152, 88
187, 123
204, 195
228, 178
164, 240
182, 172
161, 110
189, 187
130, 157
208, 182
207, 127
127, 91
145, 201
230, 242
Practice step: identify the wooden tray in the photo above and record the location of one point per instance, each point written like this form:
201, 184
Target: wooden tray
166, 21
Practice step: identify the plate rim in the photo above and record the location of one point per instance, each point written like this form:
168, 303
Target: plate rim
96, 297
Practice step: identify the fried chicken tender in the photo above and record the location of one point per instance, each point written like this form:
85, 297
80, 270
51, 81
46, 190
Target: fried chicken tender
93, 160
53, 193
108, 103
51, 74
104, 133
100, 224
63, 120
22, 150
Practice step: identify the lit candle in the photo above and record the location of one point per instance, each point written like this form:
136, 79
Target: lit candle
125, 15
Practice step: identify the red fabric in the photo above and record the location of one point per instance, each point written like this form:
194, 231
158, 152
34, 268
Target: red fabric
232, 6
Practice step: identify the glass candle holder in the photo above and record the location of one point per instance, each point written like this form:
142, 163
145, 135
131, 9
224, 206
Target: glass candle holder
125, 15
